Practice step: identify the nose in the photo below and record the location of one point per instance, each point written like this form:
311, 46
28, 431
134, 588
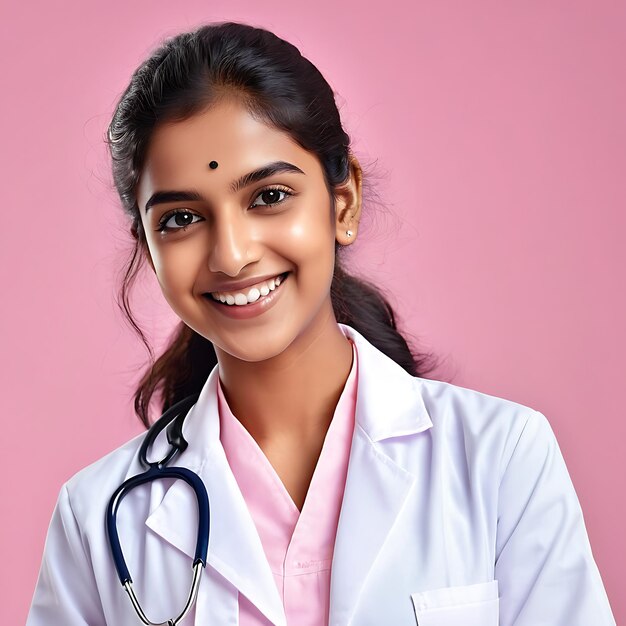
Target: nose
231, 244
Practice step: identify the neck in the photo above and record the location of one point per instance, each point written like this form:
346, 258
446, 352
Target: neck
293, 395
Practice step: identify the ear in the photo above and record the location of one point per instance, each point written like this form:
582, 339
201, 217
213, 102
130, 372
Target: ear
348, 200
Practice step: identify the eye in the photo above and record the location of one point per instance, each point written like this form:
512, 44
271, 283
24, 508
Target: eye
271, 196
186, 221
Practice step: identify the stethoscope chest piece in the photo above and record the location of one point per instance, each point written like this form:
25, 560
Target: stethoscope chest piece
173, 420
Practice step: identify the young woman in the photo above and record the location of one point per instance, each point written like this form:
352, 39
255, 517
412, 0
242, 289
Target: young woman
344, 487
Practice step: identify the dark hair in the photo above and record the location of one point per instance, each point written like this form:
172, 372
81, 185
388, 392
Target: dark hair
184, 76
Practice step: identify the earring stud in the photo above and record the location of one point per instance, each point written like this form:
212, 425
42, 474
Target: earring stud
349, 233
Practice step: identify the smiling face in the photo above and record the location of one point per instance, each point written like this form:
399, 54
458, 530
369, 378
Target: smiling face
223, 232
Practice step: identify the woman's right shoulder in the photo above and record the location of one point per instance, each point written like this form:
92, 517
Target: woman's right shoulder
90, 489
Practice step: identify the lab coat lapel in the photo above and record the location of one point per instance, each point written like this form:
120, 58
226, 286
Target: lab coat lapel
389, 404
235, 549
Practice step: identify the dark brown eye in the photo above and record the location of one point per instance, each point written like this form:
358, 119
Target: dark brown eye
271, 196
176, 220
183, 219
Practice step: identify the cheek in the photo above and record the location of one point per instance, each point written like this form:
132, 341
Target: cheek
311, 231
176, 267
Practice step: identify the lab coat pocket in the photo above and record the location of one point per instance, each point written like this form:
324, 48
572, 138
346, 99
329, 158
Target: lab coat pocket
466, 605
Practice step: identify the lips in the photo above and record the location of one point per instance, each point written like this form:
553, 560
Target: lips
267, 287
246, 286
249, 309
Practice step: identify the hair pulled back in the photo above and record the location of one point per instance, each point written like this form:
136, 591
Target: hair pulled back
184, 76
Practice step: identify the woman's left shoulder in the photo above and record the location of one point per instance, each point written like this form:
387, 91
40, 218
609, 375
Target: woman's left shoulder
485, 423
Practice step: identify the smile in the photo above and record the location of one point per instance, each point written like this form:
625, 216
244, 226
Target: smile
253, 302
252, 294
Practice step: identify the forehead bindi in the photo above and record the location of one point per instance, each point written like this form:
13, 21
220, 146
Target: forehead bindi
226, 134
181, 154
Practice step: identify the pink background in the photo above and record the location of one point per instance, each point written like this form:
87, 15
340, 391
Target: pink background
500, 139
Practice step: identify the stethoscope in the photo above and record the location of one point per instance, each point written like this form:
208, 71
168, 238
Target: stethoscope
173, 420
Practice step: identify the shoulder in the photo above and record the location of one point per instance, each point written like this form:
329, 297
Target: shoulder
481, 427
448, 403
88, 491
434, 412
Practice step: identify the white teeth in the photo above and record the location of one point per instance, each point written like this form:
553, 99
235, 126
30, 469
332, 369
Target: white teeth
253, 295
241, 299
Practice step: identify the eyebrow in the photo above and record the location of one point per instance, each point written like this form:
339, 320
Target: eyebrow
277, 167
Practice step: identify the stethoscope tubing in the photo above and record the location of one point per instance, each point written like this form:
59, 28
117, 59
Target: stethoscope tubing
193, 593
157, 473
172, 419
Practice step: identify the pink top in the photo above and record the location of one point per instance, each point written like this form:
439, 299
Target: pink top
298, 545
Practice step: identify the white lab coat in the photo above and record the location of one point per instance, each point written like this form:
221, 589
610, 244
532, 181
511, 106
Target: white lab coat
458, 510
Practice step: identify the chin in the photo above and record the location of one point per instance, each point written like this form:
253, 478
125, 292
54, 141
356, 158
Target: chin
255, 352
255, 344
